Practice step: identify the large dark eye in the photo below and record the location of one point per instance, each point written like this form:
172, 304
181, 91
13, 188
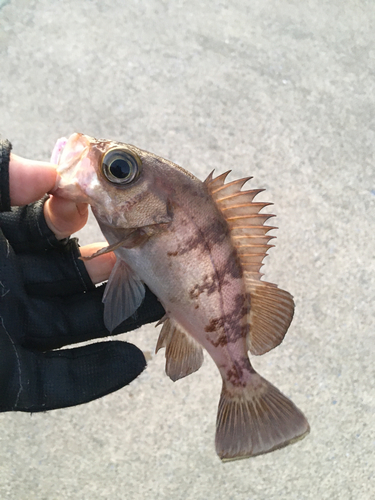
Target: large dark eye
121, 166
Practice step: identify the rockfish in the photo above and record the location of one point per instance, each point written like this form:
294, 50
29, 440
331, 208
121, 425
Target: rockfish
199, 247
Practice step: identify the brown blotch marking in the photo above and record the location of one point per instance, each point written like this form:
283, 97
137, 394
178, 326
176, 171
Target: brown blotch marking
221, 341
235, 374
209, 285
229, 327
197, 241
218, 279
232, 268
214, 325
224, 274
215, 232
172, 254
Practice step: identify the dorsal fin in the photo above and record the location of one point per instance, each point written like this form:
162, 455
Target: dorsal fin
248, 232
271, 309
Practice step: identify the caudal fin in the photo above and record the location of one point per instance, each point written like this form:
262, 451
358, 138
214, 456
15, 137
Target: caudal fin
256, 419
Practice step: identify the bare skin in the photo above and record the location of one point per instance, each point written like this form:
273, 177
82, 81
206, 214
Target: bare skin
29, 181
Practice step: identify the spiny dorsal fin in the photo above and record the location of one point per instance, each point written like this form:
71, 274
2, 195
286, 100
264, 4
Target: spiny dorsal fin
183, 354
248, 232
271, 309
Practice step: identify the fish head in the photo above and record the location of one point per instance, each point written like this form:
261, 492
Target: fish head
125, 186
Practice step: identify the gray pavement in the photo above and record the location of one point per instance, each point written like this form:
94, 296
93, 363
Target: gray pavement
283, 91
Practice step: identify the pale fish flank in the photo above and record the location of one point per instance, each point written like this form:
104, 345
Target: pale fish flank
199, 247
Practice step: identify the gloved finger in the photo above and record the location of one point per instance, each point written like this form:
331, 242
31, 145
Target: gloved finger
58, 379
65, 217
29, 180
61, 271
32, 234
57, 272
79, 317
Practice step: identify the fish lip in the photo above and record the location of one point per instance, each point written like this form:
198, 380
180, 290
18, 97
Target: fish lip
62, 142
69, 153
75, 141
58, 149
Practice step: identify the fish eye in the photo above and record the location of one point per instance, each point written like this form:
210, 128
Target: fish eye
120, 166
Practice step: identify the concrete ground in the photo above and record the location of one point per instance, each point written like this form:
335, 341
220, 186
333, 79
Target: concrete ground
281, 90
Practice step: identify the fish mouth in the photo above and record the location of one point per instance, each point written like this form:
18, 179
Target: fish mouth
69, 155
68, 152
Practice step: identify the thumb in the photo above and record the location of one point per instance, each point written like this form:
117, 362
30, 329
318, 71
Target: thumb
29, 180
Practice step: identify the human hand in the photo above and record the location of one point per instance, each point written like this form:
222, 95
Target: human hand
29, 181
47, 300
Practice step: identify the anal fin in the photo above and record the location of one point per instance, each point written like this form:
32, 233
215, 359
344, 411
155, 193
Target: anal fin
183, 354
271, 312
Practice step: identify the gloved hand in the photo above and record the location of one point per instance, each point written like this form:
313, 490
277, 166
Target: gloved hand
47, 300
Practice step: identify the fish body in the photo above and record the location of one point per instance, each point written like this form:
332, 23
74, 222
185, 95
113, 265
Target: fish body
199, 247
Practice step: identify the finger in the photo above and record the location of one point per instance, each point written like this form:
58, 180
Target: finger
100, 267
65, 217
70, 377
29, 180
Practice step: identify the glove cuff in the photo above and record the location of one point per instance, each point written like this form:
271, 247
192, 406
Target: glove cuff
5, 149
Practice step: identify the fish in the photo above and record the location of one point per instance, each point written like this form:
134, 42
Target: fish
199, 247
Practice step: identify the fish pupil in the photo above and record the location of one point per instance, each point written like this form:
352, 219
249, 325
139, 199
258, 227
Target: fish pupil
120, 168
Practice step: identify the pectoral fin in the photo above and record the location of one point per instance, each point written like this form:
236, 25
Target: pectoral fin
271, 312
123, 295
183, 354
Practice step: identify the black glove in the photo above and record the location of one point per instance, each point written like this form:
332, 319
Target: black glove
47, 300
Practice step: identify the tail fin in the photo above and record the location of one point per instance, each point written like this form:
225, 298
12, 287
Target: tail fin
256, 419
